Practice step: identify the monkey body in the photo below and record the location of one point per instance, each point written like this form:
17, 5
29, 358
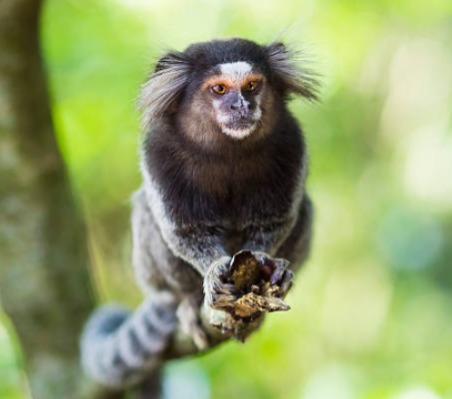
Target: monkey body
224, 167
235, 198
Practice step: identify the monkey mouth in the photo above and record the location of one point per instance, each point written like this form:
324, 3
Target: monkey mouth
239, 130
241, 123
238, 126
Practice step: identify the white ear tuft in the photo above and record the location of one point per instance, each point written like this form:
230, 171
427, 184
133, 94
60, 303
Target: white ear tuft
294, 79
164, 87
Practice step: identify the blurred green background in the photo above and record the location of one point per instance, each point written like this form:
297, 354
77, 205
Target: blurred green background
372, 309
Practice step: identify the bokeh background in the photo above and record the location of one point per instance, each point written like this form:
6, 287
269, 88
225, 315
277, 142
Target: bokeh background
371, 311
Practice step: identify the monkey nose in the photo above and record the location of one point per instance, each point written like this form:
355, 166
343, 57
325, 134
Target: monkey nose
240, 106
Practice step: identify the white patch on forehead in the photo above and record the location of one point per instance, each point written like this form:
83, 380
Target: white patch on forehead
236, 70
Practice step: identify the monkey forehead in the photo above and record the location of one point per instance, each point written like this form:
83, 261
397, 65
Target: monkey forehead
236, 70
233, 74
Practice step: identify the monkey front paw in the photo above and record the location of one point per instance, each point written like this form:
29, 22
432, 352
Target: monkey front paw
245, 287
217, 292
219, 295
274, 272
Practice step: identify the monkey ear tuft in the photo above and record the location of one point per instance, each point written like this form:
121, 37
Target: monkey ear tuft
164, 87
287, 72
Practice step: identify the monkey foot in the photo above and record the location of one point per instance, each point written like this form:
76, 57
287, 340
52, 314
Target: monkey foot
188, 316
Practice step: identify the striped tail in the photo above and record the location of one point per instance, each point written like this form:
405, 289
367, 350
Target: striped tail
120, 348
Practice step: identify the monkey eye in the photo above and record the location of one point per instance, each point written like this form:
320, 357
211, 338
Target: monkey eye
251, 86
219, 89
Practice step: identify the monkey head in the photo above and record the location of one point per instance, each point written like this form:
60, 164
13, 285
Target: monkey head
223, 90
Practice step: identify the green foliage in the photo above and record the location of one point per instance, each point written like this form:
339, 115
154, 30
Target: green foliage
371, 311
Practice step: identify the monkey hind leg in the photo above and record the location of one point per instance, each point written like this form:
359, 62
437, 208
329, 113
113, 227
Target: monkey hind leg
120, 348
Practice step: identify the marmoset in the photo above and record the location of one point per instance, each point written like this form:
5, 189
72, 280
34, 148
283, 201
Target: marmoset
224, 165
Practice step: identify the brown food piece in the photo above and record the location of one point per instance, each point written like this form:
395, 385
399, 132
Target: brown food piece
250, 305
245, 270
258, 280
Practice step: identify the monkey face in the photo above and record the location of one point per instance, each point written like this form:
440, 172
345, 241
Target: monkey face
223, 91
235, 94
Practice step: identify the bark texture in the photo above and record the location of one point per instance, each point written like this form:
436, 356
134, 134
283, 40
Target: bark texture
44, 281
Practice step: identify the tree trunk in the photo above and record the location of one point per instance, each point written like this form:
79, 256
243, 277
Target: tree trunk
44, 280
